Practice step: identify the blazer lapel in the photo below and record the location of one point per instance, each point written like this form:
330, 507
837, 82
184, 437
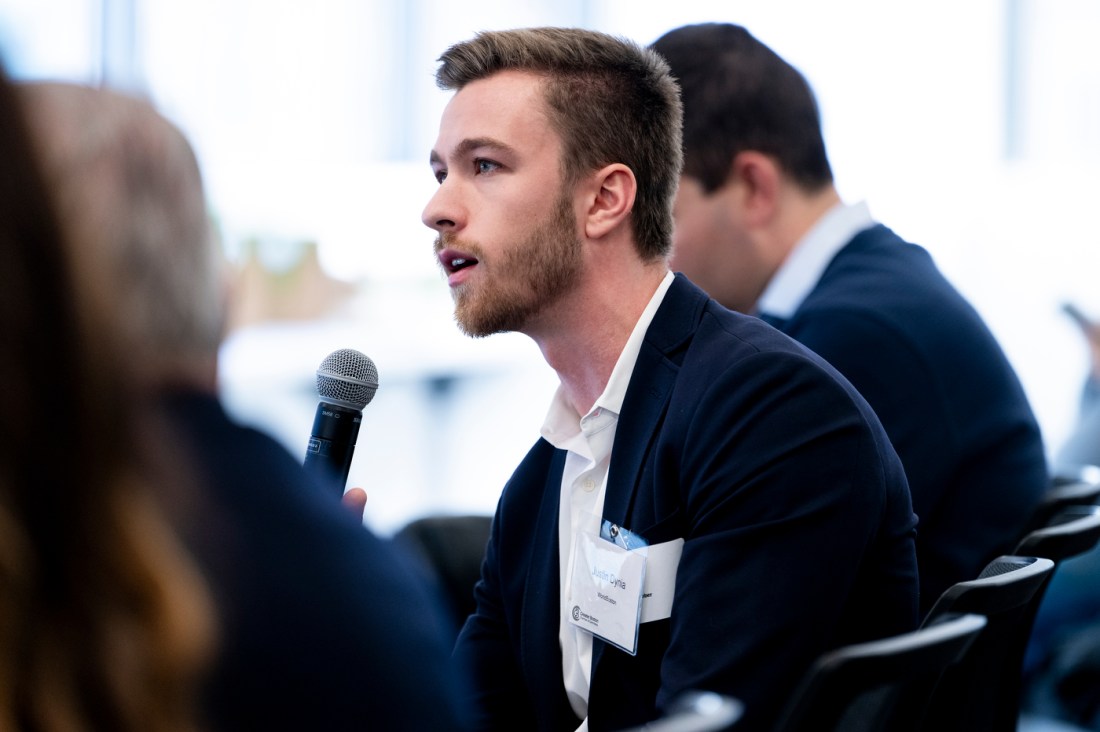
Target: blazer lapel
648, 394
646, 402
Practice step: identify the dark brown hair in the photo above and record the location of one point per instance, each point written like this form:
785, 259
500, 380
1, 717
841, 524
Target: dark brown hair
740, 95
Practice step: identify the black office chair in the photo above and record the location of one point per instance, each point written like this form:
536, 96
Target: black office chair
981, 693
1072, 531
697, 711
1080, 488
452, 548
880, 686
1076, 474
1050, 664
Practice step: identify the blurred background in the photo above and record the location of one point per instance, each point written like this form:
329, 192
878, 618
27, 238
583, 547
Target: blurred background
971, 128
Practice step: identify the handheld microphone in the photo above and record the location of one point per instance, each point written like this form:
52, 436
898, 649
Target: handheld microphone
346, 382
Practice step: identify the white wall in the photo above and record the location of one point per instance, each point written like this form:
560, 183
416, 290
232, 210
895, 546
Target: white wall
313, 123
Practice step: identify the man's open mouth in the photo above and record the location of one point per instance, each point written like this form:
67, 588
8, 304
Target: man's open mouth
453, 261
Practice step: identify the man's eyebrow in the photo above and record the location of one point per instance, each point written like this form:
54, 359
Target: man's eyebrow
470, 144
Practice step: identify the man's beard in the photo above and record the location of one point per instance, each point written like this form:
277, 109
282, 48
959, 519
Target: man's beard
521, 282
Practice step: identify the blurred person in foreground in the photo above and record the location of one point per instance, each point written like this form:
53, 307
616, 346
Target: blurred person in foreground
760, 226
322, 625
105, 622
748, 477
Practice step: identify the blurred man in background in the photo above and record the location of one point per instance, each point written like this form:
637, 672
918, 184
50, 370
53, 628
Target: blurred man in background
760, 226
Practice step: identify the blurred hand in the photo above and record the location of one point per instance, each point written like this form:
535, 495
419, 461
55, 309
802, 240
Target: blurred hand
355, 499
1091, 330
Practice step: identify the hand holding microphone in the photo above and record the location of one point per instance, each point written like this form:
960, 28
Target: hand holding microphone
346, 382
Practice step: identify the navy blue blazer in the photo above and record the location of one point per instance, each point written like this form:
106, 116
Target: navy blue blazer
793, 506
955, 411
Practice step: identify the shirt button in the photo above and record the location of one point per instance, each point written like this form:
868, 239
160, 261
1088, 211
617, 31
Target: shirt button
588, 485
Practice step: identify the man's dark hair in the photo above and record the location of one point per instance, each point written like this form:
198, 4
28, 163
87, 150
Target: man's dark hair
740, 95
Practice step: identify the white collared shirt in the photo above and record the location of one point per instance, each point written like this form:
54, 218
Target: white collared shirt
587, 441
803, 267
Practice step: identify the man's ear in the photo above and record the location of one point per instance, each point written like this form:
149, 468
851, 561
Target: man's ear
757, 177
611, 193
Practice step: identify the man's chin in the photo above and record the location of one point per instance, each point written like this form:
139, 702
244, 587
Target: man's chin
475, 327
482, 322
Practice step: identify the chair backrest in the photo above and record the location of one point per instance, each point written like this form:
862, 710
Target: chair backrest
1064, 492
982, 691
697, 711
452, 547
1073, 531
883, 685
1083, 473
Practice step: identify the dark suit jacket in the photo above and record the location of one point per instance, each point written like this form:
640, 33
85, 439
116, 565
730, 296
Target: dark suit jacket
322, 624
886, 318
793, 506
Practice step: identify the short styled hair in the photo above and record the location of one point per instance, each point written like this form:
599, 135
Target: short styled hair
740, 95
610, 100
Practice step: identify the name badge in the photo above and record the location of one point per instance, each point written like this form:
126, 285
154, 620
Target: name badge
660, 579
608, 579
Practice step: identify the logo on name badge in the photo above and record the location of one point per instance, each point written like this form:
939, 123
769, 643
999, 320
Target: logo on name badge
581, 616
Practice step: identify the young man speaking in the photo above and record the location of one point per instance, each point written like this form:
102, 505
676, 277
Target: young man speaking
710, 505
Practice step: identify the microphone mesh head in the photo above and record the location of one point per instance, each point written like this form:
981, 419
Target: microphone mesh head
348, 378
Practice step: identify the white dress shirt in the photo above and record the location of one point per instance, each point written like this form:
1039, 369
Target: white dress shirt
803, 267
587, 441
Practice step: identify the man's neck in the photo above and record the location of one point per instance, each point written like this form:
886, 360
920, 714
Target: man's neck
593, 328
802, 211
797, 214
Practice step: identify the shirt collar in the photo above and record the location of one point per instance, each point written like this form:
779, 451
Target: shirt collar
803, 267
563, 427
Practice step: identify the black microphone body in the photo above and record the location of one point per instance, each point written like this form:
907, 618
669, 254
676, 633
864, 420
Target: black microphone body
346, 382
332, 443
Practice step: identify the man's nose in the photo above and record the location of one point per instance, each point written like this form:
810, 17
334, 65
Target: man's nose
442, 212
